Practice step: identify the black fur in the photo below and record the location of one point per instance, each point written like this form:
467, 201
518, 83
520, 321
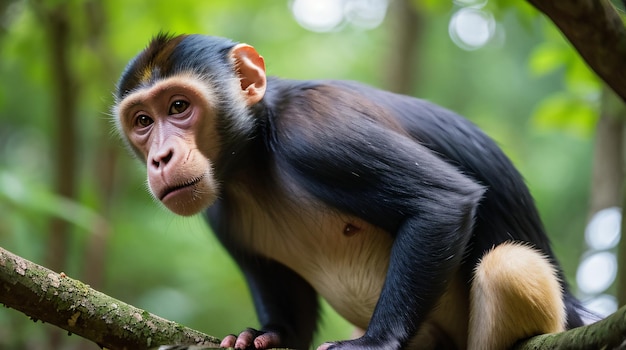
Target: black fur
442, 189
424, 182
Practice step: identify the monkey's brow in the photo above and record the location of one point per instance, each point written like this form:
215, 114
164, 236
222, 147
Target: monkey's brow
134, 102
137, 97
129, 103
142, 93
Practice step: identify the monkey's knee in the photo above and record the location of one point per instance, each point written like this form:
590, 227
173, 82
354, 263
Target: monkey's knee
515, 294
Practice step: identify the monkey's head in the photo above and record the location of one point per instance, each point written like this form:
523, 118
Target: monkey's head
182, 105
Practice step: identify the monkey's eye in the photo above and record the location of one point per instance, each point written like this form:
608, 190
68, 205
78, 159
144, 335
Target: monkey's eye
178, 106
143, 121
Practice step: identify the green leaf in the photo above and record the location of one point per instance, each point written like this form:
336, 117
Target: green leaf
566, 113
546, 58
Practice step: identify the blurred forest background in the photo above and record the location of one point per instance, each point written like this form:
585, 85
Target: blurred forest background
74, 200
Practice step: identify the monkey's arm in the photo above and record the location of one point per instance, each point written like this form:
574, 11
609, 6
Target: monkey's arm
286, 305
368, 170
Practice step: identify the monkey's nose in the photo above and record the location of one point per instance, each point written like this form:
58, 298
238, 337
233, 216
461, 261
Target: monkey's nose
162, 158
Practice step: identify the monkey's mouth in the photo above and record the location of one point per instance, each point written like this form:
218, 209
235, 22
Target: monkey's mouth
172, 189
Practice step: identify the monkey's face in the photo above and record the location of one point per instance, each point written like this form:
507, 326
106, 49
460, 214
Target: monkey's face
167, 112
171, 126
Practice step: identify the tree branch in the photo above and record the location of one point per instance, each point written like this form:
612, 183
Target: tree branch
597, 32
72, 305
609, 333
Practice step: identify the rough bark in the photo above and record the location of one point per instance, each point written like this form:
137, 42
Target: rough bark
597, 32
72, 305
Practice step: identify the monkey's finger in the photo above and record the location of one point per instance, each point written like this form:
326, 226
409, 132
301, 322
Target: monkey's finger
245, 339
325, 346
267, 341
228, 341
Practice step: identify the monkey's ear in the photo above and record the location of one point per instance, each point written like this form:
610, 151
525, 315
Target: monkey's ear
250, 69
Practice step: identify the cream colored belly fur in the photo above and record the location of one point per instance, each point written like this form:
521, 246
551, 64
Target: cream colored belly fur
344, 258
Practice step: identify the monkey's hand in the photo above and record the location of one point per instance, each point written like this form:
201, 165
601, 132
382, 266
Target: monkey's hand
252, 339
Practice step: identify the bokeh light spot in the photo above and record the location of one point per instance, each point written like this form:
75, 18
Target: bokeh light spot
603, 230
596, 272
318, 15
367, 14
471, 28
329, 15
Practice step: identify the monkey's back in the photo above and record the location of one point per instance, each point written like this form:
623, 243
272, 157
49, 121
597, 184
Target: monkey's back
506, 213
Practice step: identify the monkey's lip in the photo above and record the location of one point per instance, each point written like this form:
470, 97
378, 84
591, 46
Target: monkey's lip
172, 189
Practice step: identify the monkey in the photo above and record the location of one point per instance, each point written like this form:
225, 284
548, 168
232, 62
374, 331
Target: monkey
407, 218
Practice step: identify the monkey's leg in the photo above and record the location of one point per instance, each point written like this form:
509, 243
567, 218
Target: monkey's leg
515, 294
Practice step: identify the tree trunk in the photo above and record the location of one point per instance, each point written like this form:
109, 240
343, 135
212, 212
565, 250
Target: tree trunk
64, 87
105, 152
608, 157
404, 36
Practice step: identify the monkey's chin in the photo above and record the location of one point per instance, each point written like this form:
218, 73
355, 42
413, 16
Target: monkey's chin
190, 200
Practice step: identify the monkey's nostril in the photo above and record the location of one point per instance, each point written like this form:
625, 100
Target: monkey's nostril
167, 158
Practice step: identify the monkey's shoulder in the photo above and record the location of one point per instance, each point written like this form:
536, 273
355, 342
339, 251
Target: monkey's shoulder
317, 109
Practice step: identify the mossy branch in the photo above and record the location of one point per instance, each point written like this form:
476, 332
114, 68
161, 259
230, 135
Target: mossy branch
72, 305
609, 333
